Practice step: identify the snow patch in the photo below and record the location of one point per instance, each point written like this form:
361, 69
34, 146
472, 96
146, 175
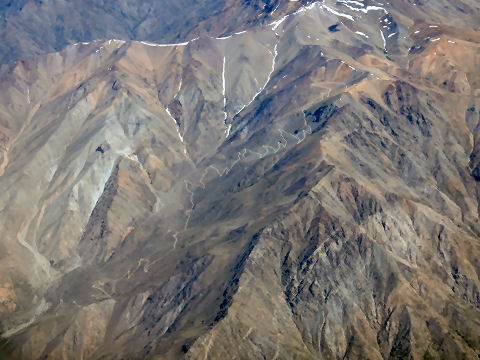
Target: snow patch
224, 98
336, 13
362, 8
175, 123
361, 33
277, 23
384, 41
164, 45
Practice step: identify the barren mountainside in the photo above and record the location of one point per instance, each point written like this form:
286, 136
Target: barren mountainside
30, 27
244, 180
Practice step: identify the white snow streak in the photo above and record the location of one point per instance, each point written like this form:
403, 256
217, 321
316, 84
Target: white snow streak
175, 123
165, 45
179, 88
277, 23
384, 41
362, 8
224, 37
227, 130
334, 12
358, 3
361, 33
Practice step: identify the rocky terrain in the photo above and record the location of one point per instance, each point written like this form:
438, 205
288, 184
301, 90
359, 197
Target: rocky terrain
290, 181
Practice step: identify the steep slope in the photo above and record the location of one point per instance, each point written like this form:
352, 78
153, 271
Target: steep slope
304, 189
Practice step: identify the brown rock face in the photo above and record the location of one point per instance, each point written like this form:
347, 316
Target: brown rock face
304, 187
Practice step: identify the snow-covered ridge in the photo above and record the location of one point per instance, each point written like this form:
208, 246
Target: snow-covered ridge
168, 45
354, 5
109, 42
365, 9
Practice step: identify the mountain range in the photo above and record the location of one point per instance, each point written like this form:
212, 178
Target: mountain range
240, 179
